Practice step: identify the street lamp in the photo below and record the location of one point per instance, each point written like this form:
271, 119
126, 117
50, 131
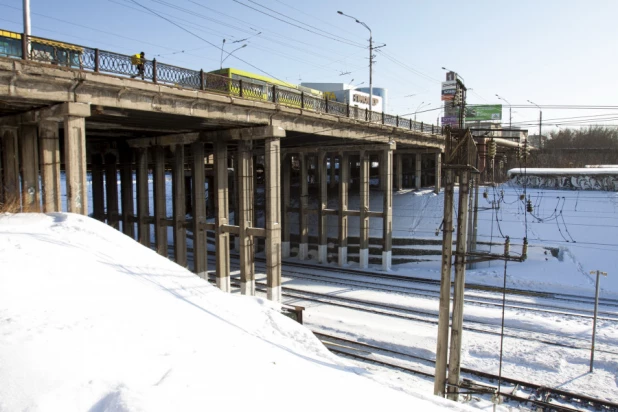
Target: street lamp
229, 54
510, 113
540, 123
419, 107
370, 60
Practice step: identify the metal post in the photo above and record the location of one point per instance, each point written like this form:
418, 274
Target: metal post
370, 74
96, 60
594, 321
201, 79
26, 37
154, 70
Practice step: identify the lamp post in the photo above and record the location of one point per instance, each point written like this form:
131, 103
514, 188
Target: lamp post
594, 321
26, 39
540, 123
510, 113
230, 53
419, 107
370, 60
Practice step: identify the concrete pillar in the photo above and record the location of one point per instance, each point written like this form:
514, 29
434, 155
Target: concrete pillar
445, 287
272, 189
454, 362
285, 192
49, 150
333, 162
236, 199
75, 164
244, 174
98, 188
438, 173
143, 207
322, 218
10, 166
387, 210
160, 212
29, 160
399, 161
344, 182
303, 218
200, 245
364, 210
126, 191
222, 238
178, 205
417, 172
111, 189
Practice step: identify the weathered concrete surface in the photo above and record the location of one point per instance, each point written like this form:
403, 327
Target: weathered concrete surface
24, 81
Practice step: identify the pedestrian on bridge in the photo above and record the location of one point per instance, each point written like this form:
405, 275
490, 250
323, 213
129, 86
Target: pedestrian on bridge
138, 61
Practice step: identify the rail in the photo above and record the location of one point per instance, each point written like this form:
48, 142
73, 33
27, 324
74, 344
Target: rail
72, 56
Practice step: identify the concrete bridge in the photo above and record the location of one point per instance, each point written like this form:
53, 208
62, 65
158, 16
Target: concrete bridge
55, 118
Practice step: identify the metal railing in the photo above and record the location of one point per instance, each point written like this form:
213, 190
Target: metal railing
101, 61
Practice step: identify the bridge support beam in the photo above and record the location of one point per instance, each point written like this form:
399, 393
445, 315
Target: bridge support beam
222, 237
333, 162
159, 194
387, 213
143, 198
322, 217
344, 182
399, 168
178, 204
272, 188
75, 163
245, 216
111, 189
10, 165
198, 207
418, 171
49, 151
98, 189
303, 218
29, 159
364, 210
285, 193
126, 190
438, 173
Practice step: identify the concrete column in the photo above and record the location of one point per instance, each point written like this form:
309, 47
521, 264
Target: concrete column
344, 182
244, 174
303, 218
98, 188
399, 161
322, 218
111, 189
285, 191
222, 238
160, 212
143, 207
445, 287
178, 205
454, 363
49, 151
236, 199
387, 212
29, 159
126, 191
272, 159
10, 166
364, 210
438, 173
417, 172
200, 245
333, 162
75, 164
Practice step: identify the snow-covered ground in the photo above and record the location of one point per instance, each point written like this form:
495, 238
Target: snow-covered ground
92, 321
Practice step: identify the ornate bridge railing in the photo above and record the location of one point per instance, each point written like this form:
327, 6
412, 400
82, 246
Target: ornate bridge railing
100, 61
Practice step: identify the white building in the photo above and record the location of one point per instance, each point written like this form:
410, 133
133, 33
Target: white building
346, 93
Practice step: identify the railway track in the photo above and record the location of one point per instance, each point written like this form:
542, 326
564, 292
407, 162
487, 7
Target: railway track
474, 383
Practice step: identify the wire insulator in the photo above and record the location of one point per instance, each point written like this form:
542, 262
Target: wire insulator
492, 148
522, 196
485, 194
507, 246
529, 207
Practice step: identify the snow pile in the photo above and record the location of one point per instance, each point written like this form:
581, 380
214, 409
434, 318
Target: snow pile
93, 321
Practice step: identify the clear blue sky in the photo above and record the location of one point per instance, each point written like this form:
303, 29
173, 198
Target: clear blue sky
553, 52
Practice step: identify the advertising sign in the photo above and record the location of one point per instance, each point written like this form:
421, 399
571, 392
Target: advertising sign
450, 121
484, 112
449, 89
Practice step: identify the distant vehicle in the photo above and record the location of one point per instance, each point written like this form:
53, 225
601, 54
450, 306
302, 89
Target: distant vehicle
50, 51
256, 86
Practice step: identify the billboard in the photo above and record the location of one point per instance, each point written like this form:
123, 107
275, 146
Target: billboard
450, 121
449, 89
479, 112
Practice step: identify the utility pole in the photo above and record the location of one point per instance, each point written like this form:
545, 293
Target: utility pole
594, 321
510, 107
540, 124
26, 38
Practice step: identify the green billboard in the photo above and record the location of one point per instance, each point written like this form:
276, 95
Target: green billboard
479, 112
